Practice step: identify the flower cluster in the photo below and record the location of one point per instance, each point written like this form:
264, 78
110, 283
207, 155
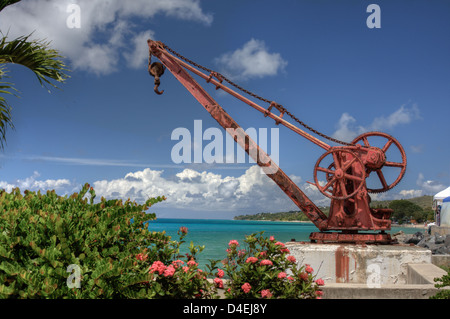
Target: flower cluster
264, 269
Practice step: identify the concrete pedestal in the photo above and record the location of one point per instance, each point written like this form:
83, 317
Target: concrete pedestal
372, 265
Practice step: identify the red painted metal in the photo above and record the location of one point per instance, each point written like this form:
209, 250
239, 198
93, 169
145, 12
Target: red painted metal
344, 169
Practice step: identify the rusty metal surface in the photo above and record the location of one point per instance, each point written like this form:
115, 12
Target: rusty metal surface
356, 238
345, 168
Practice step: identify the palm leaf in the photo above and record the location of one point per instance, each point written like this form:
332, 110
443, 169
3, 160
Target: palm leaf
36, 55
5, 108
5, 3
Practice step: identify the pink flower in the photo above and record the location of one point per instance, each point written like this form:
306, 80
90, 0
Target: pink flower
291, 259
272, 238
157, 266
218, 282
303, 276
177, 263
319, 293
220, 273
320, 282
233, 242
309, 269
282, 275
266, 293
170, 270
290, 278
192, 263
278, 243
241, 252
285, 250
185, 268
246, 287
262, 254
251, 260
141, 257
266, 262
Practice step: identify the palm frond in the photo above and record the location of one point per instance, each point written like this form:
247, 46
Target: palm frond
46, 63
5, 108
5, 3
5, 118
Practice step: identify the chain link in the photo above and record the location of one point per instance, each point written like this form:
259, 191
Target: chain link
281, 108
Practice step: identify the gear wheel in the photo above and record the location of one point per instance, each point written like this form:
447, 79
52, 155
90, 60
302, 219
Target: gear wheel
388, 144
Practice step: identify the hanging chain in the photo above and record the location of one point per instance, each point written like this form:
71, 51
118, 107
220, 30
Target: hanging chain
281, 108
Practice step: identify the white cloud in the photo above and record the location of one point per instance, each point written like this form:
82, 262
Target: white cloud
106, 33
251, 61
347, 129
411, 193
139, 56
33, 184
189, 189
429, 187
403, 115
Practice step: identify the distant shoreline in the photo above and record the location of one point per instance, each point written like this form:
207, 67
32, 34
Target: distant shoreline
418, 226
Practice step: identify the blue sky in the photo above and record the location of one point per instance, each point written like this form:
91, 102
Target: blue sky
319, 59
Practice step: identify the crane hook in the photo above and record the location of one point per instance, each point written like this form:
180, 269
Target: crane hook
156, 69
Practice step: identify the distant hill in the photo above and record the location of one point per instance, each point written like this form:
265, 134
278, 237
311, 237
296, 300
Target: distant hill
423, 201
426, 202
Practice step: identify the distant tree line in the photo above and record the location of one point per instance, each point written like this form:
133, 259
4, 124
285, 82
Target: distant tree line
280, 216
405, 211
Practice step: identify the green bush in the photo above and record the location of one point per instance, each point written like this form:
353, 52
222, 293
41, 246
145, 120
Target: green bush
263, 268
68, 247
443, 282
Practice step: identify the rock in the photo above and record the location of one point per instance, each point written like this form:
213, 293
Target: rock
447, 241
442, 250
415, 239
438, 239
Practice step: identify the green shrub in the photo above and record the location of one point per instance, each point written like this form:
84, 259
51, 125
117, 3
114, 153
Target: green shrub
68, 247
443, 282
263, 268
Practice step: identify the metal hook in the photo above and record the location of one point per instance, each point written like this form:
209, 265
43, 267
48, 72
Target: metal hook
157, 90
156, 69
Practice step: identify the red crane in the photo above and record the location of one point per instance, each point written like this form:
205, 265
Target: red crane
339, 174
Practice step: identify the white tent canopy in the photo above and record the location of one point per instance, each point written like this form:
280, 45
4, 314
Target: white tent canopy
442, 194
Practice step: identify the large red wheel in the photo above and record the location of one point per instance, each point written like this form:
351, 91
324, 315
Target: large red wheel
344, 173
395, 158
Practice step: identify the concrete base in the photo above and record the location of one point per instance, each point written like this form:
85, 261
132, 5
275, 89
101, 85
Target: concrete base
361, 291
371, 265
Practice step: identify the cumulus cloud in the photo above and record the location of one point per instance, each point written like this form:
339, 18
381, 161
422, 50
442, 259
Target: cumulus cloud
429, 187
252, 191
347, 129
32, 183
105, 34
203, 191
253, 60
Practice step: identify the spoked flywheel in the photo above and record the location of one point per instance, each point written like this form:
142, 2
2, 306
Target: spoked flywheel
383, 151
343, 172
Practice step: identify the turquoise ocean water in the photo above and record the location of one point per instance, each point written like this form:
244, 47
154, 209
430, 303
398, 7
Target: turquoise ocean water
215, 234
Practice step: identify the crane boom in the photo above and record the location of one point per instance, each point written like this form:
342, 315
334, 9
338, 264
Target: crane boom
177, 68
